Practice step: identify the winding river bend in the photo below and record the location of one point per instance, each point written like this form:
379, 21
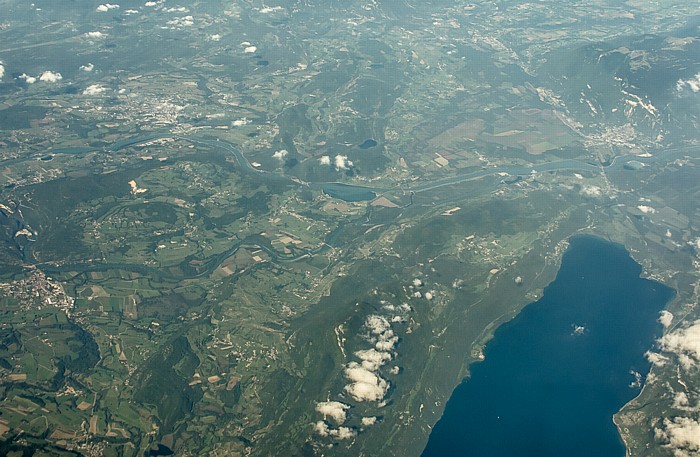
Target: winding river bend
343, 191
354, 192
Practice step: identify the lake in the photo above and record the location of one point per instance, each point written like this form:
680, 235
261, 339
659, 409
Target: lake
554, 376
348, 192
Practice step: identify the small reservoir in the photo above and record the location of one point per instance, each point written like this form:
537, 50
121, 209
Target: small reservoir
348, 192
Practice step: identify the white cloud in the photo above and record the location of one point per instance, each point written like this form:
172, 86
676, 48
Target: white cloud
682, 434
386, 344
50, 77
2, 70
270, 9
693, 84
656, 358
106, 7
250, 49
94, 89
89, 67
341, 433
185, 21
342, 162
322, 428
281, 154
325, 160
377, 324
417, 282
372, 359
666, 318
382, 336
428, 295
685, 343
28, 79
367, 421
333, 409
176, 9
680, 400
96, 34
239, 122
646, 209
365, 385
215, 37
362, 391
150, 4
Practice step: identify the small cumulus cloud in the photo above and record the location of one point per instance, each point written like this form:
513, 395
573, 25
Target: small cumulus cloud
377, 324
381, 334
94, 89
28, 79
95, 34
364, 384
341, 433
321, 428
685, 343
271, 9
681, 401
89, 67
646, 209
50, 77
342, 162
185, 21
692, 83
325, 160
215, 37
281, 154
373, 359
656, 358
2, 70
695, 243
250, 49
367, 421
106, 7
666, 318
681, 434
333, 409
386, 344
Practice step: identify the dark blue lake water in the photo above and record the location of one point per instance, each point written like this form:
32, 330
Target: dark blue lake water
347, 192
554, 376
